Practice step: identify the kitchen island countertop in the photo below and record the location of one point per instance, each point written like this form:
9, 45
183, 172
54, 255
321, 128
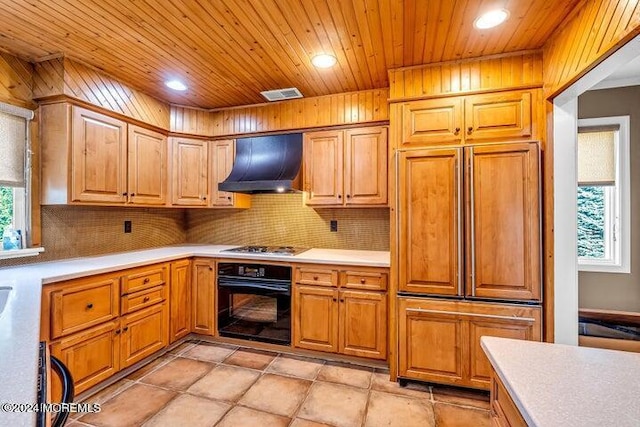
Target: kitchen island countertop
20, 320
562, 385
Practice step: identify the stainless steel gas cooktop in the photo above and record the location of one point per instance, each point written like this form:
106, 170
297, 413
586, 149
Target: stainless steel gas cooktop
267, 250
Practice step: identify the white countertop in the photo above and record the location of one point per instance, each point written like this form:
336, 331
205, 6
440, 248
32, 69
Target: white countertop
562, 385
20, 320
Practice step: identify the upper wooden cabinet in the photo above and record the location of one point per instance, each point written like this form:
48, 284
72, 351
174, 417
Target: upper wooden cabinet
221, 158
454, 120
147, 166
189, 172
346, 167
93, 158
499, 255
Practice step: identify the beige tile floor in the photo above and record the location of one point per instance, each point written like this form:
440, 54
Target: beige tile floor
204, 384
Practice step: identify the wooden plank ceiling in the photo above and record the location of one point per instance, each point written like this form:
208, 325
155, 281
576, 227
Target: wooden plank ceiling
228, 51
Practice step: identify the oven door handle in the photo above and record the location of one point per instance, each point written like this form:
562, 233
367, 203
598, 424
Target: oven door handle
67, 389
284, 289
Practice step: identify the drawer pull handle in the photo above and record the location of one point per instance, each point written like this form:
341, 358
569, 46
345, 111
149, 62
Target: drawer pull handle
146, 280
315, 277
145, 299
363, 281
89, 306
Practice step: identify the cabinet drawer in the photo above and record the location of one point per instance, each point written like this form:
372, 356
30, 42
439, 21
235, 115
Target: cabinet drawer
144, 278
317, 276
145, 298
372, 280
79, 305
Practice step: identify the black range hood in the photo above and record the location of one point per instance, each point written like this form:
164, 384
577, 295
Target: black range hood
266, 164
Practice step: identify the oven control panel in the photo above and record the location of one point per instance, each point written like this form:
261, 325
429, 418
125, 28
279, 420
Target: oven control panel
261, 271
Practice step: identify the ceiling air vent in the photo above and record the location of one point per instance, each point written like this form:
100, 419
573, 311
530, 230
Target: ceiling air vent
280, 94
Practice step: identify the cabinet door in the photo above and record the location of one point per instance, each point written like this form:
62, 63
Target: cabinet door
189, 172
180, 300
363, 324
323, 163
430, 248
221, 157
515, 322
92, 355
203, 288
432, 343
503, 229
143, 333
147, 166
99, 158
315, 322
431, 121
365, 167
498, 116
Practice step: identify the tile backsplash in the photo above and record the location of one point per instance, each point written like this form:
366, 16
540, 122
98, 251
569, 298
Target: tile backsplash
283, 219
273, 219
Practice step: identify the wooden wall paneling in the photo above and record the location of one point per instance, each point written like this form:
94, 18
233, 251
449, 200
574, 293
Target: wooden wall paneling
330, 110
595, 31
63, 76
16, 81
522, 69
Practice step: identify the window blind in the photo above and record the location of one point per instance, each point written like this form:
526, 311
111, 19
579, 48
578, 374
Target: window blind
13, 139
597, 156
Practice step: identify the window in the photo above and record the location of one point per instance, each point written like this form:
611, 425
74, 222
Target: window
15, 179
603, 195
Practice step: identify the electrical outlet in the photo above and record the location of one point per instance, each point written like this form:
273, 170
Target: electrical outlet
127, 226
334, 225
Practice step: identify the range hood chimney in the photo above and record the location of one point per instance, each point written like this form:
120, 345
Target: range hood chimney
266, 164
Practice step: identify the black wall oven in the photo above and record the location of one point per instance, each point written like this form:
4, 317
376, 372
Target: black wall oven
254, 302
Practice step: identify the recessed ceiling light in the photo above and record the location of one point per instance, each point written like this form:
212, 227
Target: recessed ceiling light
491, 19
176, 85
324, 60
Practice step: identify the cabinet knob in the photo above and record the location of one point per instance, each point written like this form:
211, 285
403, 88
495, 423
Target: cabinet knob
125, 329
146, 280
363, 280
89, 306
145, 299
204, 197
133, 194
117, 331
341, 299
124, 194
229, 197
470, 130
335, 299
339, 196
456, 131
348, 196
315, 277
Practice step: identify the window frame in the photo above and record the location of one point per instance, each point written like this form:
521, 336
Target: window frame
618, 227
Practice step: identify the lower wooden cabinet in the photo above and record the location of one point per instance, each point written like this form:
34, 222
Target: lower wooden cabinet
439, 341
143, 333
203, 290
92, 355
316, 318
504, 412
180, 300
348, 322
